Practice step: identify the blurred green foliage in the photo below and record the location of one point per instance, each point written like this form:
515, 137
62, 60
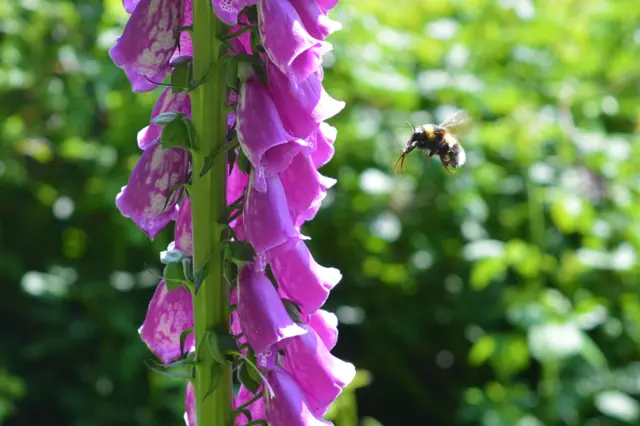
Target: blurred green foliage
506, 295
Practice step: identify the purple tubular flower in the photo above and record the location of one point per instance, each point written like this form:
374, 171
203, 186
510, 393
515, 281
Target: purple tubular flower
266, 216
260, 130
144, 199
287, 42
304, 106
130, 5
148, 42
289, 406
315, 19
170, 313
325, 324
227, 10
319, 374
305, 188
263, 317
321, 144
167, 102
299, 277
190, 415
182, 229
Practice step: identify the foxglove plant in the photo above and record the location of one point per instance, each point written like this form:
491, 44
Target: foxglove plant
231, 155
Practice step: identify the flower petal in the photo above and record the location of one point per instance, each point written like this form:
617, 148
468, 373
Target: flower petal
321, 144
170, 312
182, 230
148, 42
263, 317
155, 175
325, 324
300, 278
305, 188
266, 216
304, 106
167, 102
256, 409
260, 129
227, 10
319, 374
287, 42
190, 415
289, 407
315, 19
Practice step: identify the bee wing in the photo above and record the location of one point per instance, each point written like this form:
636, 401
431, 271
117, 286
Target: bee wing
458, 124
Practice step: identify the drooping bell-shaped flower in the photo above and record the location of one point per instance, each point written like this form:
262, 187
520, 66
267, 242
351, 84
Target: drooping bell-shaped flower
287, 42
149, 198
228, 10
300, 278
301, 107
289, 406
190, 414
263, 317
170, 312
167, 102
319, 374
148, 42
321, 144
325, 324
260, 131
182, 230
266, 216
315, 19
305, 188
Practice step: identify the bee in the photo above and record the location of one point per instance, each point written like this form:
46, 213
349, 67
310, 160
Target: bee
439, 140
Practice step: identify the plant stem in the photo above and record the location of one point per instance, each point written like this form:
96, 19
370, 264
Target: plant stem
208, 201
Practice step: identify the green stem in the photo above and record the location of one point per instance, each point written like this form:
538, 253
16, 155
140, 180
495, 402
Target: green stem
208, 201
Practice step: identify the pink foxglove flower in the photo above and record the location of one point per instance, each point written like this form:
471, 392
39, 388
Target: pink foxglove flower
149, 198
289, 406
148, 42
263, 318
170, 313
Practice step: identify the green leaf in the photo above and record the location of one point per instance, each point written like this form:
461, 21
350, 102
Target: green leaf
247, 379
173, 275
183, 339
192, 135
240, 251
199, 276
230, 272
214, 348
175, 134
182, 74
208, 163
215, 373
231, 74
243, 162
187, 268
165, 118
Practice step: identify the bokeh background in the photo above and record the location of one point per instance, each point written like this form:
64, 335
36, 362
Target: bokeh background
506, 295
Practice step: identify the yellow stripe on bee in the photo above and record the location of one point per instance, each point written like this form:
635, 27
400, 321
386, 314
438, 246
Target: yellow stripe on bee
450, 140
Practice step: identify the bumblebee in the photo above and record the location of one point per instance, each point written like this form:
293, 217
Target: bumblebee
440, 140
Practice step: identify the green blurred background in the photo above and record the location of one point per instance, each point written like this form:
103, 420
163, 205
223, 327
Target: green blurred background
506, 295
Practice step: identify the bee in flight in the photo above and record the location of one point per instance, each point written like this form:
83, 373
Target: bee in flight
440, 140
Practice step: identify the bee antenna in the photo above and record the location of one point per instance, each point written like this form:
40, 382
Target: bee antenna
412, 128
401, 162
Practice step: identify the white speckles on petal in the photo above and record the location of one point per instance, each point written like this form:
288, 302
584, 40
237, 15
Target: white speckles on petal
170, 313
148, 42
144, 199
